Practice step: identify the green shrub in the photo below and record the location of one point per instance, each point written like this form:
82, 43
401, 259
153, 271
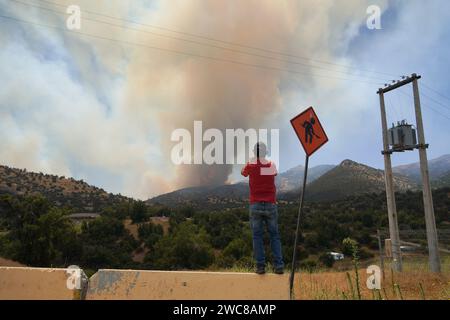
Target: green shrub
139, 212
309, 265
187, 247
326, 259
150, 233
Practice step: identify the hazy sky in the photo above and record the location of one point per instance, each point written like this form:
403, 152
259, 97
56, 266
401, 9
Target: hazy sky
100, 103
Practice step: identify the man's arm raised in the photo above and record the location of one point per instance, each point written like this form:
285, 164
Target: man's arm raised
244, 171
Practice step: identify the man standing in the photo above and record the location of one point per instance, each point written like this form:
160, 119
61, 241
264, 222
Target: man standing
263, 208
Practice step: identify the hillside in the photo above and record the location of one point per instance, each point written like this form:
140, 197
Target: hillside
352, 178
326, 183
217, 197
292, 178
437, 168
59, 190
202, 239
234, 195
442, 181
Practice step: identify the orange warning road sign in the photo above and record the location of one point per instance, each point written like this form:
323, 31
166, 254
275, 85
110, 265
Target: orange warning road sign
309, 131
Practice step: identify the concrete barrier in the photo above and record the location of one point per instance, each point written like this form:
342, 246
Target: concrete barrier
192, 285
23, 283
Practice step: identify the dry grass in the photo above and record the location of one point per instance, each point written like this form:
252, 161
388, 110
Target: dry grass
139, 255
414, 283
162, 221
132, 228
335, 285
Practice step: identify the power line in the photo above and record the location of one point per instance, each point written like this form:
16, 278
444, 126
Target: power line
390, 111
397, 109
407, 113
435, 91
436, 101
222, 41
426, 105
186, 53
403, 106
204, 44
431, 98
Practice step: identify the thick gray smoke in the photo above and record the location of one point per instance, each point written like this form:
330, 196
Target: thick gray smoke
116, 105
222, 95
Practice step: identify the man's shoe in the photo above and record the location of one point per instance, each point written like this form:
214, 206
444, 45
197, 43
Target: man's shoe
279, 270
260, 270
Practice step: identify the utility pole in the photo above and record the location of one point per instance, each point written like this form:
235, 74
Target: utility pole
430, 222
399, 145
390, 195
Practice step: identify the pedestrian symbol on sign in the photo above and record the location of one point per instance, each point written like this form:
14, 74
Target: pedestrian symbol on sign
309, 131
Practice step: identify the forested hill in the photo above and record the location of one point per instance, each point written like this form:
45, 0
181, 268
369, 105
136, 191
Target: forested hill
61, 191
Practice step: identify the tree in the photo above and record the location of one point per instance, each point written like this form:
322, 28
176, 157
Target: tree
163, 212
187, 211
223, 227
107, 244
103, 231
175, 219
238, 251
139, 212
120, 211
39, 234
150, 233
187, 247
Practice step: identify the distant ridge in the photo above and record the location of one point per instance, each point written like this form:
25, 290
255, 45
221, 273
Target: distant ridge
438, 168
59, 190
233, 195
216, 197
292, 178
325, 183
353, 178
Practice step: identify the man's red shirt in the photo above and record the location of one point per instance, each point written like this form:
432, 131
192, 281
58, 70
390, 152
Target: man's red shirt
262, 180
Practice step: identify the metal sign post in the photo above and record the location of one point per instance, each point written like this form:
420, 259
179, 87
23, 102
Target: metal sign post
312, 136
300, 209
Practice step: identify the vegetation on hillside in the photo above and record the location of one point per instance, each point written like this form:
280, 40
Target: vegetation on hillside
61, 191
35, 232
442, 181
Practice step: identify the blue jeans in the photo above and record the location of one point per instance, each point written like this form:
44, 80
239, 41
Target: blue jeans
265, 213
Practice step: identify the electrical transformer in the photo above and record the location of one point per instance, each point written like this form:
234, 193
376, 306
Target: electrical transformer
402, 136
